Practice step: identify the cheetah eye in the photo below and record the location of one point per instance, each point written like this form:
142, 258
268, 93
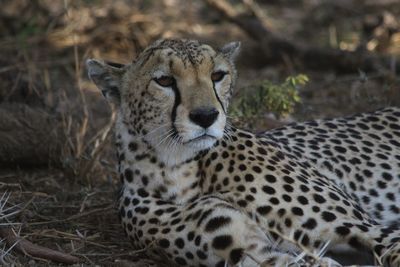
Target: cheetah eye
165, 81
217, 76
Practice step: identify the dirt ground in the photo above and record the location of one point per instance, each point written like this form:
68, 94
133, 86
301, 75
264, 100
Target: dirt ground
58, 181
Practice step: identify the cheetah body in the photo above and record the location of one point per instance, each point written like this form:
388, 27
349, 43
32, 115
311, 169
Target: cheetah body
359, 153
200, 192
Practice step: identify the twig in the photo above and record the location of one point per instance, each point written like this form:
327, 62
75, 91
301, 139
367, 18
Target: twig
76, 216
99, 145
28, 248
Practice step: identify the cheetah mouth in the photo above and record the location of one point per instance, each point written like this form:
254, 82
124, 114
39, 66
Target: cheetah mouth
203, 137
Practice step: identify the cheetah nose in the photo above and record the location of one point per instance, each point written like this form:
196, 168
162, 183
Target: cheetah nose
204, 117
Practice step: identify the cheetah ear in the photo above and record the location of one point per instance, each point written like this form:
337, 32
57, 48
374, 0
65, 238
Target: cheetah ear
231, 50
107, 77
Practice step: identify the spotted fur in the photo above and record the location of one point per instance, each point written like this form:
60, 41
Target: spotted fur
219, 196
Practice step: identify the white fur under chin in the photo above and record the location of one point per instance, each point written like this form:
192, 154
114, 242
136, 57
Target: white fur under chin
183, 152
192, 140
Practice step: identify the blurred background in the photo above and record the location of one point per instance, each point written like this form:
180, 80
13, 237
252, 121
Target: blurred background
300, 60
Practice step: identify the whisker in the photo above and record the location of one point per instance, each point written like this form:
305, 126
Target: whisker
166, 136
152, 131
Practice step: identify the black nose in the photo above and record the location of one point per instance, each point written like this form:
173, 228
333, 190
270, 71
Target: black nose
204, 117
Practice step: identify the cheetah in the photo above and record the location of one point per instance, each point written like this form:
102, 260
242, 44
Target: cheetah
200, 192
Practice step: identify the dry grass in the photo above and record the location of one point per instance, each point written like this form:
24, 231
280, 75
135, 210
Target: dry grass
66, 200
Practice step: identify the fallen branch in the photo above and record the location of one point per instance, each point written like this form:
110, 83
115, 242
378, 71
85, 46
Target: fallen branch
275, 48
28, 248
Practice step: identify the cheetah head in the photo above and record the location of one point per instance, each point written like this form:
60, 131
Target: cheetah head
175, 94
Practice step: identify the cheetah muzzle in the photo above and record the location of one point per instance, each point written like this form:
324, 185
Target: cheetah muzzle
199, 192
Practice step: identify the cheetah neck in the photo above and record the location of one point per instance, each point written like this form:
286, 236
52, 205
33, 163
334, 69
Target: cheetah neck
139, 166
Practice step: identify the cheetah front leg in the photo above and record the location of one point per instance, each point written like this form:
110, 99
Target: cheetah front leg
207, 232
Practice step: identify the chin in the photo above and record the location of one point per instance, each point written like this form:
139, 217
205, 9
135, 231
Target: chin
202, 143
172, 156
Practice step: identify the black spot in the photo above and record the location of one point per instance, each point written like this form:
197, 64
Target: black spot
181, 261
179, 242
241, 188
288, 179
264, 210
342, 230
304, 188
249, 177
317, 188
219, 167
166, 230
274, 200
319, 199
190, 236
394, 126
235, 255
250, 198
288, 188
248, 143
145, 180
341, 210
303, 200
297, 234
382, 184
217, 222
340, 149
241, 147
129, 214
328, 216
257, 169
281, 212
262, 151
225, 154
362, 228
242, 167
245, 135
129, 175
152, 231
333, 196
310, 224
305, 240
126, 201
387, 176
214, 155
222, 242
268, 190
390, 196
197, 240
204, 216
142, 192
287, 198
133, 146
177, 220
189, 255
164, 243
355, 243
297, 211
144, 210
270, 178
201, 255
358, 215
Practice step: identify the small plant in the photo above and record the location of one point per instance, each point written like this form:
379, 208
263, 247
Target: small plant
27, 30
267, 96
